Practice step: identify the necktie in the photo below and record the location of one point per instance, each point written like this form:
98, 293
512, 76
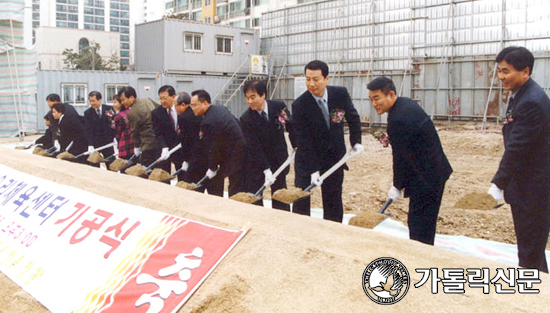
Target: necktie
264, 115
324, 111
176, 126
98, 112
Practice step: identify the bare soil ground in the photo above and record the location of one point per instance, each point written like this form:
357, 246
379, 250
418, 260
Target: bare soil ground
474, 155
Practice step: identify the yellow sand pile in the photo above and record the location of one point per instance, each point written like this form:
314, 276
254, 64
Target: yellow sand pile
136, 170
41, 152
21, 147
290, 195
65, 155
186, 185
117, 165
96, 157
367, 219
476, 201
245, 197
159, 174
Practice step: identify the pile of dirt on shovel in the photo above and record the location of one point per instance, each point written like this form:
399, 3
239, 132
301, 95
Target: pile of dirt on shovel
476, 201
136, 170
185, 185
117, 165
290, 195
159, 174
367, 219
65, 155
41, 152
96, 157
244, 197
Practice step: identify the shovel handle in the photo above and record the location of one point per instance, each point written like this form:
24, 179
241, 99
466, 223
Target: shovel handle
281, 168
260, 191
200, 182
385, 206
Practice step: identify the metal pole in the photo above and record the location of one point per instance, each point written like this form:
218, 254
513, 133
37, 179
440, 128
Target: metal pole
18, 112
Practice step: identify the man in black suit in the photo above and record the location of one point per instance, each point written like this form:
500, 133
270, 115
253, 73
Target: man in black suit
98, 125
419, 164
318, 121
71, 130
166, 129
523, 176
52, 123
222, 140
195, 160
263, 125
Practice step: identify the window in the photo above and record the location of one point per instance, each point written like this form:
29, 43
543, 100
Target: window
83, 45
124, 45
223, 44
193, 42
73, 17
115, 13
207, 2
208, 20
124, 38
256, 22
125, 22
111, 90
74, 94
114, 29
61, 24
61, 8
124, 53
115, 21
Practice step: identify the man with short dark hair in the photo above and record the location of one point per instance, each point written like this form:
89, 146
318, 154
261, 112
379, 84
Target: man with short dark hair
223, 143
195, 159
53, 124
319, 115
166, 129
264, 124
97, 123
141, 124
523, 174
420, 166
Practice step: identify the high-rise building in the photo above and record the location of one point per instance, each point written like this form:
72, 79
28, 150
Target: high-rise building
238, 13
108, 15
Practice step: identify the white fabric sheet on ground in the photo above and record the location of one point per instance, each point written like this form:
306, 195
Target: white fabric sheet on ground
492, 250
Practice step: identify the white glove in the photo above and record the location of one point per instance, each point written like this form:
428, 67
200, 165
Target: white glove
359, 149
211, 174
185, 166
394, 193
316, 179
495, 192
116, 142
269, 179
164, 155
137, 151
57, 145
90, 149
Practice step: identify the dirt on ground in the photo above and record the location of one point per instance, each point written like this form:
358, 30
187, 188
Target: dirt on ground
474, 156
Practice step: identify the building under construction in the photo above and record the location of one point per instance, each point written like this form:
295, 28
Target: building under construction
439, 52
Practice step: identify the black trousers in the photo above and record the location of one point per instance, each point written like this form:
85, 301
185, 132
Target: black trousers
331, 191
215, 185
279, 183
423, 212
148, 157
532, 225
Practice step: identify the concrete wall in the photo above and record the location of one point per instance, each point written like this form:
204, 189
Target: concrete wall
161, 43
52, 41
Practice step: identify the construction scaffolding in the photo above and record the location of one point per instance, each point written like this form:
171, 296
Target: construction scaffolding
439, 52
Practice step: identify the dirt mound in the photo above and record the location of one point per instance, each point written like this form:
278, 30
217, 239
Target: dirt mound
65, 155
136, 170
367, 219
185, 185
476, 201
41, 152
244, 197
159, 174
290, 194
117, 165
96, 157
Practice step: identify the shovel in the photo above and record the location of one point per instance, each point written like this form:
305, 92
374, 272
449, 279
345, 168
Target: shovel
26, 147
98, 149
111, 158
148, 169
369, 219
258, 195
129, 163
54, 153
283, 195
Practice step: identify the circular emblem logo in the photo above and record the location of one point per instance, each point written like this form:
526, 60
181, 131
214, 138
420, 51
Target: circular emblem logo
386, 280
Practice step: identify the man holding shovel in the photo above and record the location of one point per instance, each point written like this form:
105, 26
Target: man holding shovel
141, 126
419, 165
264, 125
523, 176
318, 121
98, 126
222, 141
166, 129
